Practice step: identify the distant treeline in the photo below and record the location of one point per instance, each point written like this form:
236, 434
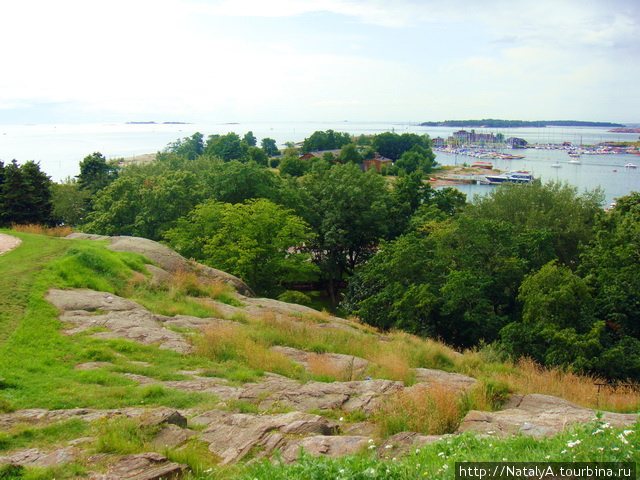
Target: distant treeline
493, 123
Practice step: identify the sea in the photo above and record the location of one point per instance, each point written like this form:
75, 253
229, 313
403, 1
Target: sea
60, 148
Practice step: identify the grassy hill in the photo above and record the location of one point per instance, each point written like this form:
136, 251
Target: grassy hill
97, 385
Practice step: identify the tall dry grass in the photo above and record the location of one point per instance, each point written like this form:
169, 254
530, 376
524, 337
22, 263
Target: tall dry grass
431, 411
233, 344
526, 376
59, 231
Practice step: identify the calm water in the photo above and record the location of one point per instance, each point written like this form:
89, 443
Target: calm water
59, 148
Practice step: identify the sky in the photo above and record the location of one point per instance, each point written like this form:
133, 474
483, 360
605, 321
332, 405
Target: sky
94, 61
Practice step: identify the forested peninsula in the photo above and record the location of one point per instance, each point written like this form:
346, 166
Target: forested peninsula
495, 123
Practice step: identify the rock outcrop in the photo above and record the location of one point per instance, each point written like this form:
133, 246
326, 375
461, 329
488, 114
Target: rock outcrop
537, 415
167, 259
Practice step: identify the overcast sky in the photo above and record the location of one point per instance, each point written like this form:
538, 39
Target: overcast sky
327, 60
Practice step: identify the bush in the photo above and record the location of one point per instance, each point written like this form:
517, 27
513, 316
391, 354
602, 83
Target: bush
293, 296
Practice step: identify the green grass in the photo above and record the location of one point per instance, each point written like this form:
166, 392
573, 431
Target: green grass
588, 443
19, 270
37, 362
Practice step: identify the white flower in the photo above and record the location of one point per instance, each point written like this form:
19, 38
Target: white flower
444, 467
597, 432
504, 459
606, 425
371, 447
371, 440
417, 450
341, 470
341, 419
563, 451
615, 449
441, 454
548, 457
627, 432
388, 446
573, 444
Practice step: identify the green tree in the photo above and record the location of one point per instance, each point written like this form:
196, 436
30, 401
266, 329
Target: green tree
96, 173
144, 205
347, 210
558, 326
189, 147
349, 154
251, 240
235, 182
269, 147
294, 166
393, 145
257, 155
70, 202
249, 139
226, 147
25, 194
327, 140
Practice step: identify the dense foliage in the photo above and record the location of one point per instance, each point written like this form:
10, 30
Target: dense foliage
25, 194
538, 271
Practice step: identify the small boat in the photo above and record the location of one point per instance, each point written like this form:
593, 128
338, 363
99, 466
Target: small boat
556, 165
631, 165
481, 164
575, 161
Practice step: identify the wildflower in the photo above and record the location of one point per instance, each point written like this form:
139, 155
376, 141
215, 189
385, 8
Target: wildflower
548, 457
417, 451
627, 432
342, 419
606, 425
573, 444
371, 440
341, 470
388, 446
444, 467
563, 451
370, 471
615, 449
441, 454
622, 439
504, 459
597, 431
371, 447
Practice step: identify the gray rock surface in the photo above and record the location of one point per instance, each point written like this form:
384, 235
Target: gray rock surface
233, 436
350, 396
345, 366
405, 443
331, 446
453, 381
143, 466
126, 319
537, 415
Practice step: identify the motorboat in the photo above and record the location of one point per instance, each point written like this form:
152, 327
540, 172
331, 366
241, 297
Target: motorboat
509, 177
631, 165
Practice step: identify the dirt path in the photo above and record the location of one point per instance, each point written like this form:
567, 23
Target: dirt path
8, 242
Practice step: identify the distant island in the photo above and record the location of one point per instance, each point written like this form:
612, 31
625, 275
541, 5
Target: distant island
493, 123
